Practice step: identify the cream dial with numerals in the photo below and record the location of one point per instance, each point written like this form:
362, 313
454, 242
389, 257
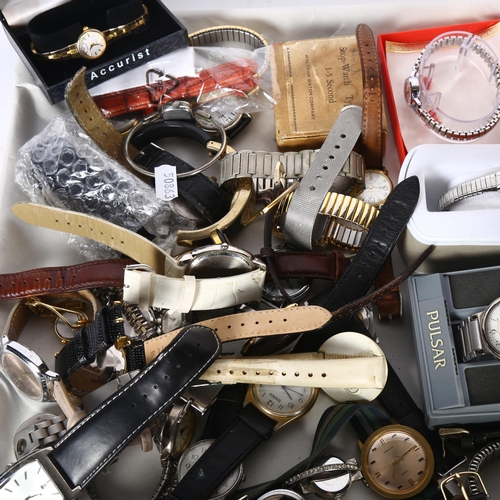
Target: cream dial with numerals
31, 481
378, 185
91, 44
491, 327
283, 401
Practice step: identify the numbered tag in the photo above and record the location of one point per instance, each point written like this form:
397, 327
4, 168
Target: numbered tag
166, 182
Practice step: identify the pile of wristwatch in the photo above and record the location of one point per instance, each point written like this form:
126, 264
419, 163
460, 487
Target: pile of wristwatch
201, 354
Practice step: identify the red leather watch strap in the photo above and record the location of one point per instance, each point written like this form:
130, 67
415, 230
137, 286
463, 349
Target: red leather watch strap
48, 280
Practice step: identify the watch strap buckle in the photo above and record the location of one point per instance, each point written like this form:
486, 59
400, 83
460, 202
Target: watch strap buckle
461, 480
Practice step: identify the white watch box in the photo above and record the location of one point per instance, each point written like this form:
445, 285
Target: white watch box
468, 235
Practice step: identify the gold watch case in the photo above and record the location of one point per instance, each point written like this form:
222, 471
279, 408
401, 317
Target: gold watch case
378, 186
397, 461
281, 403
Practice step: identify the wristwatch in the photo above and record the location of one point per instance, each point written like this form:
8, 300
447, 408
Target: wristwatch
61, 471
378, 186
191, 456
266, 409
479, 335
214, 277
417, 84
329, 477
469, 189
92, 43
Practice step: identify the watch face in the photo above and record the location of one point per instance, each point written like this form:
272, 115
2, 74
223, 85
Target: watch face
226, 119
30, 481
397, 462
491, 327
284, 401
20, 374
193, 453
377, 188
91, 44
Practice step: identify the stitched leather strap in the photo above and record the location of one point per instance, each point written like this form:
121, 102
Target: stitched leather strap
48, 280
122, 240
372, 150
89, 446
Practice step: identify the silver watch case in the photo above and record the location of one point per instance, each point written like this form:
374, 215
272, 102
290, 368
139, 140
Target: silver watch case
44, 377
218, 261
412, 92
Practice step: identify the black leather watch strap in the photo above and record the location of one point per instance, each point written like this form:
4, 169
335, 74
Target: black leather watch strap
358, 278
247, 430
101, 436
89, 341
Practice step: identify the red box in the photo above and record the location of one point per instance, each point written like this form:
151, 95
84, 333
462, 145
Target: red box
422, 37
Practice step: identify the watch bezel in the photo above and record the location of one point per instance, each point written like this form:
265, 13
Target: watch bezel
483, 318
42, 455
376, 486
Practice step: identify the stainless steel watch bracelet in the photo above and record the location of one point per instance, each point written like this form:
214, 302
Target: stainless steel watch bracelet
469, 189
260, 166
412, 90
485, 456
470, 338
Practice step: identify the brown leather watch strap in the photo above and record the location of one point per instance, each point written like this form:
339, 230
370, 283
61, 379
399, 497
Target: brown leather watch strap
289, 264
95, 124
372, 148
50, 280
389, 305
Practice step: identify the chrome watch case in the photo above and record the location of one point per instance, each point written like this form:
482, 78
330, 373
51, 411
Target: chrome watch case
479, 334
219, 260
27, 371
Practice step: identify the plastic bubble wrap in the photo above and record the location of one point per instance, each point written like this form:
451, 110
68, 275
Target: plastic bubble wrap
64, 168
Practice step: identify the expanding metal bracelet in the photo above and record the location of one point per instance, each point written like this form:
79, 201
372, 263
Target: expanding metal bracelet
321, 470
415, 88
482, 458
469, 189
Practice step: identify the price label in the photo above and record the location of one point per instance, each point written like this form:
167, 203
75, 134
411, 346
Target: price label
166, 182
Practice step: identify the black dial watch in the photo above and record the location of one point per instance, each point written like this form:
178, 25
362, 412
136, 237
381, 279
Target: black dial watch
61, 471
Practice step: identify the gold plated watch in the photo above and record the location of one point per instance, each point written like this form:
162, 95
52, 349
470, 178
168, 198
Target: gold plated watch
92, 43
397, 461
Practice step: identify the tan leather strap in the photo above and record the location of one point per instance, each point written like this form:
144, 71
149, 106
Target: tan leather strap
389, 305
122, 240
372, 149
94, 123
250, 324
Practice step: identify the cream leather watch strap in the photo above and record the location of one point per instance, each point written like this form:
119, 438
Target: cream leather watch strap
300, 220
122, 240
189, 293
297, 370
297, 319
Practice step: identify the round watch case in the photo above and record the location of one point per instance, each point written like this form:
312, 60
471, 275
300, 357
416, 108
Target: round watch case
91, 44
378, 186
397, 462
27, 371
193, 453
490, 327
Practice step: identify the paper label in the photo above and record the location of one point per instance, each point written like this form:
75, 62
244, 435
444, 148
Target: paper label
166, 182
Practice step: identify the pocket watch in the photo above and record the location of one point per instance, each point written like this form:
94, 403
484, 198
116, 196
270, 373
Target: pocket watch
397, 461
378, 185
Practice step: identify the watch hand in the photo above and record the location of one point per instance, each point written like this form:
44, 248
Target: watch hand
286, 389
394, 462
405, 453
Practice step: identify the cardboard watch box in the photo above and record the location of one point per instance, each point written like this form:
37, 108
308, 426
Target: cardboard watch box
161, 34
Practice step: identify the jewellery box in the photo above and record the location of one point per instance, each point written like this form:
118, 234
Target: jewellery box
142, 42
468, 235
454, 392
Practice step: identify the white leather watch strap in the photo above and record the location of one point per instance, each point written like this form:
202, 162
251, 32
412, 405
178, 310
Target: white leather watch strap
246, 325
122, 240
190, 293
294, 370
301, 218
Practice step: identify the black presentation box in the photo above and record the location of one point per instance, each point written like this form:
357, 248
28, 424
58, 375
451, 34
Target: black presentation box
163, 33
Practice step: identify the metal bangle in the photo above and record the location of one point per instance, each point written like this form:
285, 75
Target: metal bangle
320, 470
429, 120
156, 116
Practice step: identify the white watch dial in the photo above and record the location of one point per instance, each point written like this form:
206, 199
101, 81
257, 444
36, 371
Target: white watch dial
283, 400
91, 44
377, 188
492, 328
31, 481
193, 453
